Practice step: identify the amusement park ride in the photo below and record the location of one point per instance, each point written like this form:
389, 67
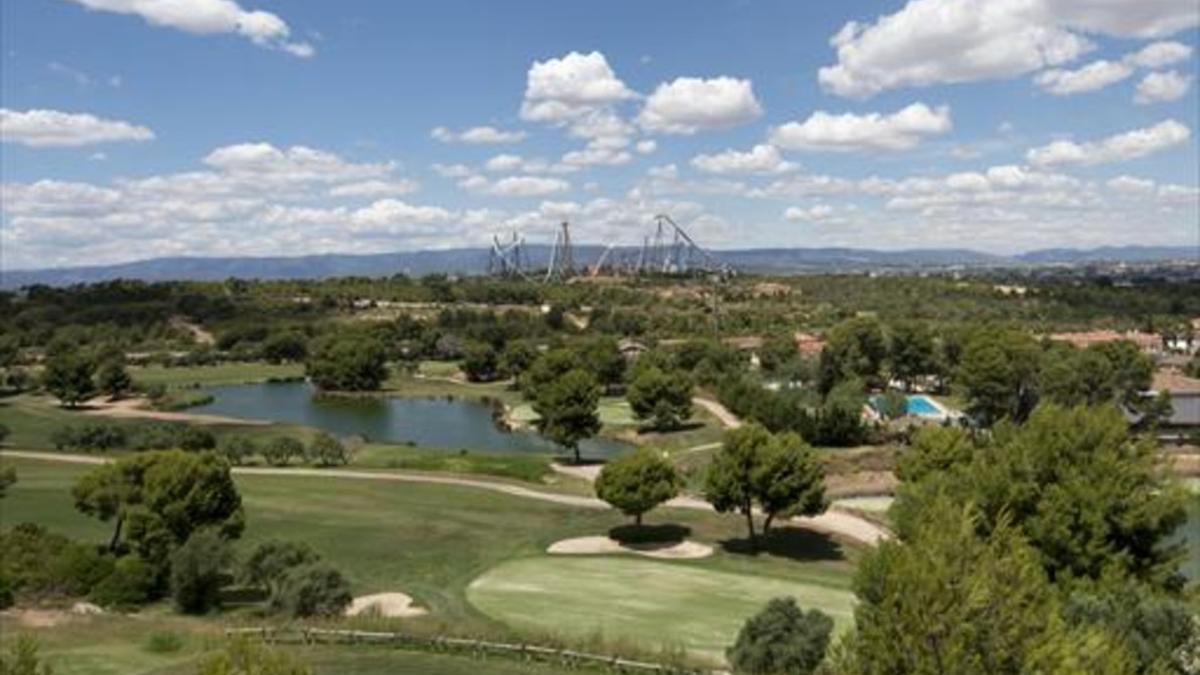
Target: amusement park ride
668, 251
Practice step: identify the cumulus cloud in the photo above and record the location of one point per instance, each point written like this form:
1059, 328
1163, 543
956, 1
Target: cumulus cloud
210, 17
1117, 148
1160, 87
515, 186
375, 188
53, 128
1159, 54
1093, 76
759, 159
647, 146
799, 214
931, 42
485, 135
689, 104
900, 130
565, 88
266, 164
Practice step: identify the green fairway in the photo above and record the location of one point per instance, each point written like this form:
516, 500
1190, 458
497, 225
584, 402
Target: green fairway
649, 602
223, 373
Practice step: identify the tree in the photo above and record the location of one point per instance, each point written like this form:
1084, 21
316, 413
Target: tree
854, 348
637, 483
198, 570
68, 376
568, 410
315, 589
778, 472
782, 638
113, 379
244, 657
1078, 486
603, 359
892, 404
999, 370
516, 358
662, 397
326, 450
911, 351
285, 346
281, 450
480, 362
548, 368
1072, 376
268, 563
348, 363
946, 600
157, 499
236, 448
8, 478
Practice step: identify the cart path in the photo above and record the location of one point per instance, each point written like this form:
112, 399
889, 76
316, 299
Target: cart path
719, 411
831, 522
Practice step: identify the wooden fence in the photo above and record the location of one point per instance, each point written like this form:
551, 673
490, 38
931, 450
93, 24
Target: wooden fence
477, 648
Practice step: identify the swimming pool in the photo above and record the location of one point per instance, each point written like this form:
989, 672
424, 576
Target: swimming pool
918, 405
923, 406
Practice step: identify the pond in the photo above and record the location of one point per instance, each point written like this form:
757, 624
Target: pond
448, 424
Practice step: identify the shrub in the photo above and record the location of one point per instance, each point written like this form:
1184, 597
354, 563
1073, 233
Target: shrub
38, 562
163, 642
237, 448
315, 589
89, 437
781, 638
130, 584
279, 451
325, 450
198, 572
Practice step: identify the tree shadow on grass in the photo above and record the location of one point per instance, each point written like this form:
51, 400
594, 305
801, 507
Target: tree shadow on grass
643, 429
665, 533
796, 543
569, 460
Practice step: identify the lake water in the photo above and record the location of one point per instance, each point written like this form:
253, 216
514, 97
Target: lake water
439, 423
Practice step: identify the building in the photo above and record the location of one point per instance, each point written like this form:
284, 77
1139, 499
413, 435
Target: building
808, 344
1185, 397
1148, 343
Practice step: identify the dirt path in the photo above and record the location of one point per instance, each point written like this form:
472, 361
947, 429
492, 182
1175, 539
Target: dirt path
132, 407
831, 522
719, 411
202, 336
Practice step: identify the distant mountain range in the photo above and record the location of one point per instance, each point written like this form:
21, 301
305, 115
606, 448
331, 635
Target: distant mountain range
466, 261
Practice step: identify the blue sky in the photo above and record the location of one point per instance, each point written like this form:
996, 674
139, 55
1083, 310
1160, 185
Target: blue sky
139, 128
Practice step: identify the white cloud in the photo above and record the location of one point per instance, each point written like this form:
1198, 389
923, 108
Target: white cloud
761, 158
688, 104
1093, 76
814, 213
451, 170
597, 155
210, 17
53, 128
566, 88
264, 163
1120, 147
375, 188
1131, 185
931, 42
516, 186
1160, 87
504, 163
477, 135
647, 146
900, 130
1159, 54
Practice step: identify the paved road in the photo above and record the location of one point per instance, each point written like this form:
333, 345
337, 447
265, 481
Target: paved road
722, 413
831, 522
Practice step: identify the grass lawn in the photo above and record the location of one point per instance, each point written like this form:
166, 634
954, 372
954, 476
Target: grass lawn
655, 602
207, 376
432, 541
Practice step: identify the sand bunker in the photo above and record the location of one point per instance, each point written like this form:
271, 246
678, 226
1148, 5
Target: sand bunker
385, 604
678, 550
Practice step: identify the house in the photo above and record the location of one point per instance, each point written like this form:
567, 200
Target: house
808, 344
1148, 343
1185, 397
631, 349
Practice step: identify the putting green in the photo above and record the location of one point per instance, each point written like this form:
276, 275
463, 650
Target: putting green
651, 603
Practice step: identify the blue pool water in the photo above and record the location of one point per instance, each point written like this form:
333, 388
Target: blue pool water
922, 407
918, 405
